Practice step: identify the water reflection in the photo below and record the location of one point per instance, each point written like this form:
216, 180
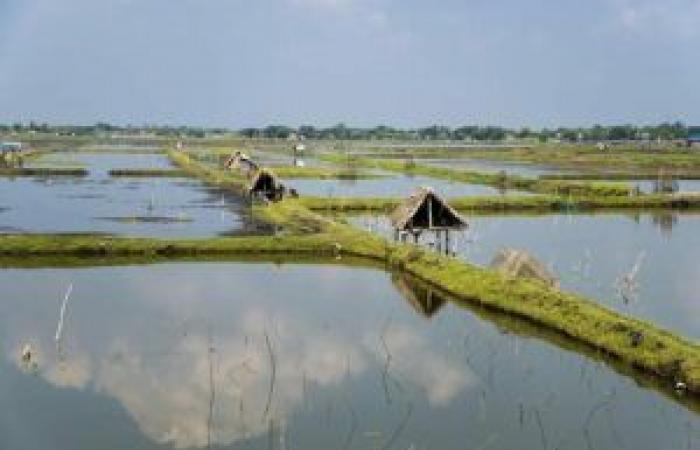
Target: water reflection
162, 207
230, 355
642, 264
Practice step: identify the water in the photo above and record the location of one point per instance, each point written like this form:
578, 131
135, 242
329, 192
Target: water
511, 168
182, 356
100, 163
591, 255
390, 186
154, 207
537, 170
684, 186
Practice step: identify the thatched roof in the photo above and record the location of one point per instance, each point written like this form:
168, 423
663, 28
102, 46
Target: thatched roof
518, 263
263, 180
425, 209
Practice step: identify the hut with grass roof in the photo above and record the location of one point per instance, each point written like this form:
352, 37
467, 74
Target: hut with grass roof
265, 184
520, 264
426, 211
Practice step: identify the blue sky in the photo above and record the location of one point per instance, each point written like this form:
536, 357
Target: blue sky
243, 63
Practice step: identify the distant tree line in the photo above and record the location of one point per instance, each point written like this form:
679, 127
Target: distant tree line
595, 133
664, 131
101, 129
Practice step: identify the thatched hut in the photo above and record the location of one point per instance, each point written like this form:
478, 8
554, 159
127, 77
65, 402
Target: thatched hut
426, 210
423, 211
518, 263
242, 162
264, 183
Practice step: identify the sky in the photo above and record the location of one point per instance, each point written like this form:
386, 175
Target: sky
407, 63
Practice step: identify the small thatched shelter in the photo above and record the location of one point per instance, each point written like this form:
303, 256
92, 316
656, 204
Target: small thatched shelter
426, 210
423, 211
241, 161
518, 263
264, 183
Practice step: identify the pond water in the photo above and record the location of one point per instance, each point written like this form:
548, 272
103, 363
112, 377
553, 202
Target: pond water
478, 165
99, 163
391, 185
157, 207
265, 356
648, 186
592, 255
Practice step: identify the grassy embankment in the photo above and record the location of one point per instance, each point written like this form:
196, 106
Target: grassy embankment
498, 180
626, 176
514, 204
591, 158
323, 173
288, 171
657, 352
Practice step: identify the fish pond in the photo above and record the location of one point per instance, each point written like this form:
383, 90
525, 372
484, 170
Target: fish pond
391, 185
645, 265
98, 203
277, 356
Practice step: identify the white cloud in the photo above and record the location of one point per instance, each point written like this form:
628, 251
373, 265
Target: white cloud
671, 17
330, 4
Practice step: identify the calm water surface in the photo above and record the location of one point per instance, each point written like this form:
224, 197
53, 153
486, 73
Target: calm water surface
391, 186
99, 163
591, 254
270, 356
158, 207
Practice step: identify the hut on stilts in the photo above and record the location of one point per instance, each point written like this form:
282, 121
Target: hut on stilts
426, 211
